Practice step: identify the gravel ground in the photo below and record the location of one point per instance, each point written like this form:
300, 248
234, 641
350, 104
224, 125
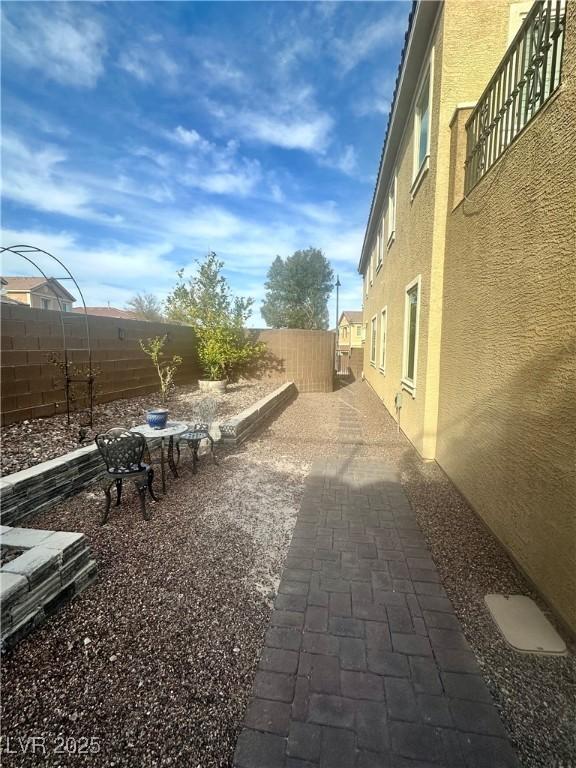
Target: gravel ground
156, 659
536, 695
35, 440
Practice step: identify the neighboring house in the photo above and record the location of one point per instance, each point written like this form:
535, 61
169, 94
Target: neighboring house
468, 266
3, 297
350, 341
37, 292
121, 314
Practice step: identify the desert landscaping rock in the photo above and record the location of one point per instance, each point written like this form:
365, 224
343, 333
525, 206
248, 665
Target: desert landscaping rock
35, 440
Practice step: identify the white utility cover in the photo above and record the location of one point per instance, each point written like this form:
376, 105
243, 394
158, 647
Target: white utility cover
523, 625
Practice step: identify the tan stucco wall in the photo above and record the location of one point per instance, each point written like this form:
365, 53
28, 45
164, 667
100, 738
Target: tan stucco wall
348, 335
507, 408
22, 297
465, 55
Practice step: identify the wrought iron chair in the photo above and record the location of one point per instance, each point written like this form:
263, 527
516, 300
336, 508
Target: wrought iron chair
122, 452
204, 416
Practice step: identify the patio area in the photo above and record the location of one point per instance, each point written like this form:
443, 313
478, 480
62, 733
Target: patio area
156, 661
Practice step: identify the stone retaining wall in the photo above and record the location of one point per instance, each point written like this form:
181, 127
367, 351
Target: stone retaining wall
239, 428
50, 568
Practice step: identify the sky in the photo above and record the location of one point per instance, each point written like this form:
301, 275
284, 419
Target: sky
138, 136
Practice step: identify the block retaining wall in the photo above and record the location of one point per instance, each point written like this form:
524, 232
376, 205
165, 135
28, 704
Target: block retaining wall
239, 428
26, 493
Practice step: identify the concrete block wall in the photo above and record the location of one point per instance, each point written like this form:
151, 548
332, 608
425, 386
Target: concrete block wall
307, 357
33, 387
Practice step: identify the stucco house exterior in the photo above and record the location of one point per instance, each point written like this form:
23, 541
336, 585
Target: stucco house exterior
38, 293
350, 342
468, 269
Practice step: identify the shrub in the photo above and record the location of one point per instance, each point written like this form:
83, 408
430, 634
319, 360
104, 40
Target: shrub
165, 367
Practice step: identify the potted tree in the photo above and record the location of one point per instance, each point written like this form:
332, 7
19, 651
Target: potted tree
225, 350
166, 369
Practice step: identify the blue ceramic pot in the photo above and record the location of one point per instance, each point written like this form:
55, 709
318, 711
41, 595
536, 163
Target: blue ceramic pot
157, 418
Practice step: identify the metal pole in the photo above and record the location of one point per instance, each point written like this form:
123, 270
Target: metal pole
336, 362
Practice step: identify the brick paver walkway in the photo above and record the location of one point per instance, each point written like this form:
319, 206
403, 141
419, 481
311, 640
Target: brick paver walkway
364, 663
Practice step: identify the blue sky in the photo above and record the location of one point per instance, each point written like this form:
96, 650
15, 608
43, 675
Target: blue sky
137, 136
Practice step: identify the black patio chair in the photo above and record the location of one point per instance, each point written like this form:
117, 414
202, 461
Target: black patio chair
122, 452
203, 417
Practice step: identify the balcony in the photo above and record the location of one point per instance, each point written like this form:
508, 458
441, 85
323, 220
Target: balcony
527, 76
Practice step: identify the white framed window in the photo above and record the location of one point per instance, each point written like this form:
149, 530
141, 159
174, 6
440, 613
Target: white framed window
380, 246
373, 330
422, 111
45, 303
372, 265
391, 212
383, 336
411, 331
366, 281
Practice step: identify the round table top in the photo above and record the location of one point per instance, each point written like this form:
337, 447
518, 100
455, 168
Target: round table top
172, 428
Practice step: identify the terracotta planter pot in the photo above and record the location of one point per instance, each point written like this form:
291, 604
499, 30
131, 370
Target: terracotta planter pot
215, 387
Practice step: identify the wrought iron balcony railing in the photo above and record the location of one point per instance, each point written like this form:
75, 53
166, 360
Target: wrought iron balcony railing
525, 79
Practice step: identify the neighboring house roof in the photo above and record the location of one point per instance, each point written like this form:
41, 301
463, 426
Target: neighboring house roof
352, 315
121, 314
26, 284
420, 26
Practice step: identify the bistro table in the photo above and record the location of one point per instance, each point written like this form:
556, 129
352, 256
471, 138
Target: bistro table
170, 431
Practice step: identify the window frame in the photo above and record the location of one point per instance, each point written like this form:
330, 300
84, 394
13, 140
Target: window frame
420, 168
391, 219
373, 339
383, 338
410, 384
380, 246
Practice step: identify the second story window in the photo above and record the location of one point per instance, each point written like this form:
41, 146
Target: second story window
45, 303
391, 212
380, 246
423, 121
422, 128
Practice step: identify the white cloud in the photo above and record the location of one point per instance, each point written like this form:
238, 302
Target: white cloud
366, 39
310, 133
149, 62
30, 177
216, 169
377, 95
62, 42
188, 137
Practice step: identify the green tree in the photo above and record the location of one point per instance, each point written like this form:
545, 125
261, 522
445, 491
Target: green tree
297, 291
147, 307
205, 301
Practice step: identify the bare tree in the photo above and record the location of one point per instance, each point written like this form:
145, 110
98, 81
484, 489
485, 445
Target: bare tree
147, 307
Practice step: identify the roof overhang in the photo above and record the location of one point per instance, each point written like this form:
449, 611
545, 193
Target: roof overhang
419, 37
